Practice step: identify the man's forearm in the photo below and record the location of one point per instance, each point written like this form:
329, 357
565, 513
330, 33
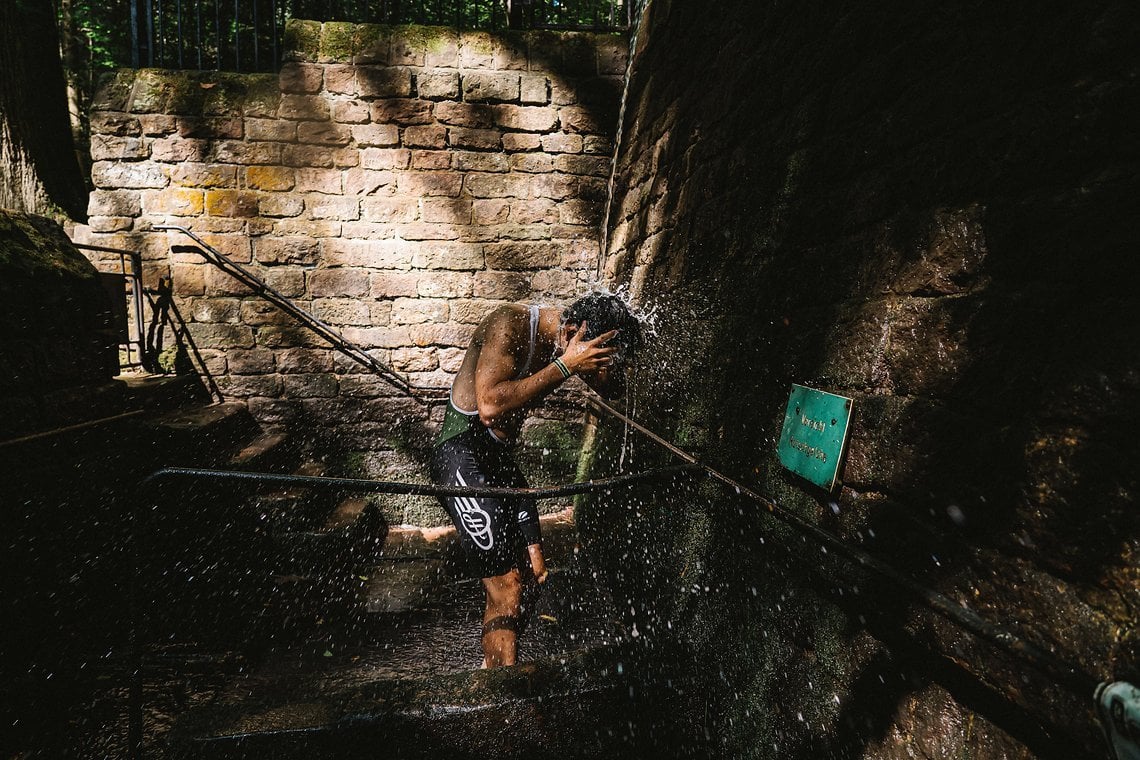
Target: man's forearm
510, 395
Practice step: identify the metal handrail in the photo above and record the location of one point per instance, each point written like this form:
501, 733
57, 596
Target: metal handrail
134, 717
320, 327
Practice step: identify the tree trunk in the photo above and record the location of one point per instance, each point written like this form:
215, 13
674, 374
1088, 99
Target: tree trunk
38, 170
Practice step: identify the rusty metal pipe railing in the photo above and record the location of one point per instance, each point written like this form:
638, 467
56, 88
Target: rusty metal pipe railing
320, 327
1064, 673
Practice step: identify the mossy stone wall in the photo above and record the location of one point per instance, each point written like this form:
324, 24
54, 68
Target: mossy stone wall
397, 182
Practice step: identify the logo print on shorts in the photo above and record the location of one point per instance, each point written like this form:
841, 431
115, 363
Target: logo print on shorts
476, 521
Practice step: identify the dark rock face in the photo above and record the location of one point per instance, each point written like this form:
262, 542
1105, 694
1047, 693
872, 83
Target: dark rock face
56, 347
925, 208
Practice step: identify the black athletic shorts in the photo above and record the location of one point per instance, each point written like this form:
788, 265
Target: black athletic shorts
495, 532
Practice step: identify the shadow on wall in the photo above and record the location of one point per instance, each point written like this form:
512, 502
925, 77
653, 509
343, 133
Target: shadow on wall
923, 207
399, 182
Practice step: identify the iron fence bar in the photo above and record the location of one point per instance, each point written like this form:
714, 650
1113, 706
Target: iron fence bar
237, 38
181, 46
218, 34
198, 30
150, 32
256, 41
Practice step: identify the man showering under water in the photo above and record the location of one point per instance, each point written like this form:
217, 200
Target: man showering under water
517, 356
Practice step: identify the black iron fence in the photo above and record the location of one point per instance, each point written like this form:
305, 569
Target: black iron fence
246, 35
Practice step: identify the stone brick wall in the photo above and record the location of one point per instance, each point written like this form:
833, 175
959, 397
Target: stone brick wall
398, 182
926, 207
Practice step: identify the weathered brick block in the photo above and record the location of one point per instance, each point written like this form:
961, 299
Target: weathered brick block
323, 133
526, 118
381, 158
177, 201
176, 149
430, 183
598, 166
234, 152
511, 53
342, 311
438, 84
302, 360
612, 54
410, 311
270, 178
327, 181
311, 228
534, 89
351, 112
157, 124
542, 211
501, 285
211, 129
444, 256
383, 82
115, 123
306, 155
231, 203
288, 336
560, 142
334, 283
431, 159
532, 163
270, 130
287, 280
476, 50
498, 186
379, 337
294, 250
521, 255
471, 311
471, 161
115, 176
393, 284
489, 211
473, 115
390, 210
556, 186
340, 79
110, 223
248, 386
114, 148
376, 135
445, 210
446, 285
189, 279
114, 203
309, 386
415, 359
418, 232
204, 175
448, 334
367, 181
280, 205
300, 78
581, 120
221, 336
256, 312
515, 142
474, 139
555, 283
251, 361
490, 86
326, 207
303, 108
402, 111
433, 136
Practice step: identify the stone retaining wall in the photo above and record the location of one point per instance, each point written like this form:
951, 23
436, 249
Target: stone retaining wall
398, 182
926, 207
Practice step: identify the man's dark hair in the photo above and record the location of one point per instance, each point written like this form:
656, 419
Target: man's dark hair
603, 312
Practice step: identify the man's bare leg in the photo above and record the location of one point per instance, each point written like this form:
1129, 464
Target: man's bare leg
501, 619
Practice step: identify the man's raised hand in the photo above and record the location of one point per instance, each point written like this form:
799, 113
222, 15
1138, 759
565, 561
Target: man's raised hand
588, 355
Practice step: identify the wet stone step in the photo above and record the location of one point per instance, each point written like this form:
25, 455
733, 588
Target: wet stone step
268, 452
622, 700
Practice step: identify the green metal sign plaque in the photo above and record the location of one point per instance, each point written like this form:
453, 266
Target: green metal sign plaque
813, 441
